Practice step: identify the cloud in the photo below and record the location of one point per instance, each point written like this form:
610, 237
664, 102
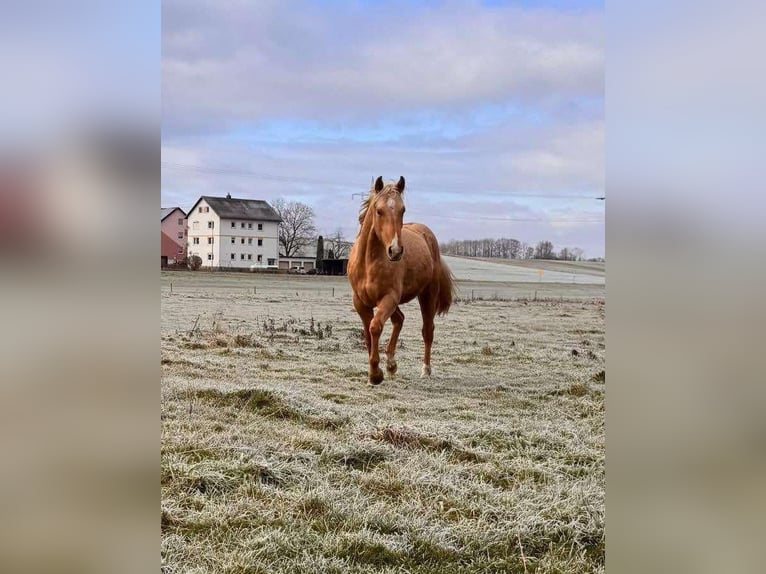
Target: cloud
238, 61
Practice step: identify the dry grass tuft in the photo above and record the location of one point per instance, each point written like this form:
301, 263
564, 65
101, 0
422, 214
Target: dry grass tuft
577, 390
405, 437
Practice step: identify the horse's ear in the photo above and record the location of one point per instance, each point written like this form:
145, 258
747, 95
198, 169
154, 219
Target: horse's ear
379, 184
400, 185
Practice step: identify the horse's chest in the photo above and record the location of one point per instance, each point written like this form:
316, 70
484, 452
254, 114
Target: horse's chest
376, 286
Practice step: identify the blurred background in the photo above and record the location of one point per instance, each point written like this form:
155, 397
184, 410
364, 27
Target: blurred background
79, 178
685, 403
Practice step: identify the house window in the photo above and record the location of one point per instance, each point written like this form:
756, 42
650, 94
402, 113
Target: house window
243, 225
200, 210
249, 256
195, 241
209, 240
249, 225
233, 240
249, 240
260, 227
180, 221
180, 250
195, 224
242, 256
260, 243
210, 224
233, 224
260, 258
243, 241
180, 235
233, 257
272, 261
209, 256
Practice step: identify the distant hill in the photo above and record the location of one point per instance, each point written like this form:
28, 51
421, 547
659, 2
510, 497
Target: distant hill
597, 268
503, 270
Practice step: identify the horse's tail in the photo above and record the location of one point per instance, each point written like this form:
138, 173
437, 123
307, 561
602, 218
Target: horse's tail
447, 289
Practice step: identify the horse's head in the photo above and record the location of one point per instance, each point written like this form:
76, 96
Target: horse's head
388, 211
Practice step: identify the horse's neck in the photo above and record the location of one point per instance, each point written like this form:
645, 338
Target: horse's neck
370, 247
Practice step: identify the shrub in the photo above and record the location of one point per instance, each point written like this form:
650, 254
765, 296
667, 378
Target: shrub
195, 262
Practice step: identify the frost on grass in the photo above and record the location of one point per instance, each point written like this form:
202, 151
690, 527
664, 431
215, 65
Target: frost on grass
276, 457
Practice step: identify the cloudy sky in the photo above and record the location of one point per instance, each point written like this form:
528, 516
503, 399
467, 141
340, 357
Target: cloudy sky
492, 111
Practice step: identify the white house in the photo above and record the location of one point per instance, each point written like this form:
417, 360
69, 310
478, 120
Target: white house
230, 233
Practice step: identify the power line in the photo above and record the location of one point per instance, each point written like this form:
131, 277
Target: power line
293, 179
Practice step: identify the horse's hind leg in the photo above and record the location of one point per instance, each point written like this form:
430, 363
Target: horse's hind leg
397, 320
427, 311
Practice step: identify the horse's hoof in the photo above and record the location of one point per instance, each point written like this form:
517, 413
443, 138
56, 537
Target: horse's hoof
391, 367
376, 378
425, 372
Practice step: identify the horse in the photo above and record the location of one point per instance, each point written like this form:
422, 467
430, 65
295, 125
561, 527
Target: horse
390, 264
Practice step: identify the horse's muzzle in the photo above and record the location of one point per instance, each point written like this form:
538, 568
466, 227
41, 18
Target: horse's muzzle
395, 255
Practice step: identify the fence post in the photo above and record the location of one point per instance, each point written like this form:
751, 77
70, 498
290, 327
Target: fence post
171, 287
253, 289
333, 291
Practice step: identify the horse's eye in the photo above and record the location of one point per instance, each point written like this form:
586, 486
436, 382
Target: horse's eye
380, 212
403, 210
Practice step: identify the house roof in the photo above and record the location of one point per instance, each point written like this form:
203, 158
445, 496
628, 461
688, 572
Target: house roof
247, 209
165, 211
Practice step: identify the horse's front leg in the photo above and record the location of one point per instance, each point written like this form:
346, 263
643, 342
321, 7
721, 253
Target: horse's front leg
386, 308
366, 314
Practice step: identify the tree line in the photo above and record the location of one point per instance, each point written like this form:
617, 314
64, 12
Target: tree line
297, 231
505, 248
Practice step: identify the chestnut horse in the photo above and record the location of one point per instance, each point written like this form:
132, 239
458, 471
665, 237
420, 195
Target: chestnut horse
390, 264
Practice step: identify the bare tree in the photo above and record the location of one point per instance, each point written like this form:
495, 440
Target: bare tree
544, 250
529, 252
297, 228
340, 247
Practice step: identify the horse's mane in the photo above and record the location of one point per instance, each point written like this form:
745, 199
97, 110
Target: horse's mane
387, 189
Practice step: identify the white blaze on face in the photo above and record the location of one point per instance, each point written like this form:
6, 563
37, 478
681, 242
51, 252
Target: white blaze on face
391, 203
395, 243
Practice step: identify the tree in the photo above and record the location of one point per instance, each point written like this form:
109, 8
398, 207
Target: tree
529, 252
544, 250
297, 228
320, 253
340, 246
514, 249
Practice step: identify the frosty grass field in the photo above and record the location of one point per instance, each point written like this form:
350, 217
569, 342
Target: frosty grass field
277, 457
